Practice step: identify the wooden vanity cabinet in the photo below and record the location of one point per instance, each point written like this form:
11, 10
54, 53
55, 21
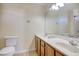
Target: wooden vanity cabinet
49, 51
44, 49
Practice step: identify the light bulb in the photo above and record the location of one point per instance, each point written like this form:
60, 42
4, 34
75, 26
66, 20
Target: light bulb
54, 7
60, 4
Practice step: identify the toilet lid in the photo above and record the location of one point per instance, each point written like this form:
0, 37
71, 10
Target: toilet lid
7, 50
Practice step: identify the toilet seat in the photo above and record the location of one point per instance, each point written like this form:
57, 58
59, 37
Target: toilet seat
7, 50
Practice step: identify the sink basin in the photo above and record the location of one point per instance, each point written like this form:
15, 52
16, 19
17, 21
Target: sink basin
69, 47
50, 37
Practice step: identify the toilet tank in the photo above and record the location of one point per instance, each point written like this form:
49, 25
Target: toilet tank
11, 40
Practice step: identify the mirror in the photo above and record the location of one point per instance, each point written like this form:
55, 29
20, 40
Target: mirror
61, 21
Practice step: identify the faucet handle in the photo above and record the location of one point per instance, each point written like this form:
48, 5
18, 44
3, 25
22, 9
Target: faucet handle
72, 42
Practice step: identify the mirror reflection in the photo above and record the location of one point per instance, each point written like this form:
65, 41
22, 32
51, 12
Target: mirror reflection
62, 19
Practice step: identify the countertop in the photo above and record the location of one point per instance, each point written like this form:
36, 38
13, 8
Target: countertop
53, 42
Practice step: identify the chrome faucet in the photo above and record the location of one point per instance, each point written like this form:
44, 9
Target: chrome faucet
74, 43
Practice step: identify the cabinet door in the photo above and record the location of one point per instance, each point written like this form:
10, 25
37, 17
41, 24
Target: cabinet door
42, 48
38, 47
58, 53
49, 51
36, 43
42, 51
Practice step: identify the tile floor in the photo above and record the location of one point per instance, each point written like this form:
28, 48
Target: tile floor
31, 53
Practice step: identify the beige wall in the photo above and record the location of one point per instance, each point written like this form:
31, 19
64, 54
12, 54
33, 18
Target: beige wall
14, 21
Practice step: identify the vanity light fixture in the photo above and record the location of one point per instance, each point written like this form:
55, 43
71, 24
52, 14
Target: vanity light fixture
56, 6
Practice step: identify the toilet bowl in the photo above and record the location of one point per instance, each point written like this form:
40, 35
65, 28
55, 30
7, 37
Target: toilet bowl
10, 46
7, 51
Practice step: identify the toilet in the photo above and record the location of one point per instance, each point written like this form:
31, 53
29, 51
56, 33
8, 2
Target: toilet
9, 49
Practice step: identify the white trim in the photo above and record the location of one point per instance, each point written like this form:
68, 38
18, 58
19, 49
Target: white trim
27, 50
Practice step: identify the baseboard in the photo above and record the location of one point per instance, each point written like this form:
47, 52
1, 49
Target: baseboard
22, 51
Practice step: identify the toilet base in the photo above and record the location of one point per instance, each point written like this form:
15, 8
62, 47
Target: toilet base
7, 51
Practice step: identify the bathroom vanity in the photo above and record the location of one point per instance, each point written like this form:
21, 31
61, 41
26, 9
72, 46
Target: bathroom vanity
45, 49
54, 46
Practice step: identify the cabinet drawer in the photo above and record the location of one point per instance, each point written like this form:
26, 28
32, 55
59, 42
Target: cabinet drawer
42, 43
42, 51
